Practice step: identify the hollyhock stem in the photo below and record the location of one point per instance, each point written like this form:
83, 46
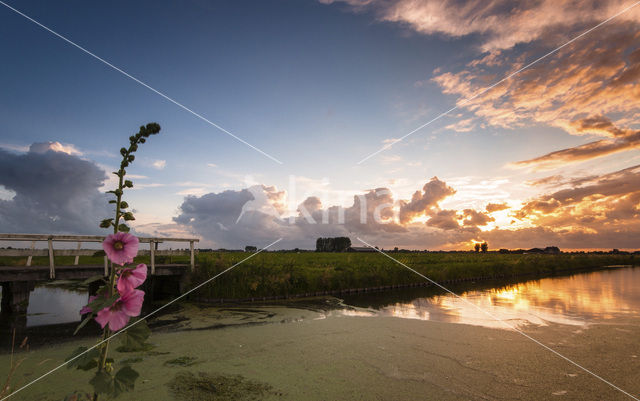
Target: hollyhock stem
112, 282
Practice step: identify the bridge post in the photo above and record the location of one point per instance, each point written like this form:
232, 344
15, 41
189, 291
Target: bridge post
15, 296
193, 263
75, 261
30, 257
152, 256
52, 271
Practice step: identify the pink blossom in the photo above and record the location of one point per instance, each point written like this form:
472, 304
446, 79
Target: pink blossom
121, 247
131, 278
85, 309
117, 316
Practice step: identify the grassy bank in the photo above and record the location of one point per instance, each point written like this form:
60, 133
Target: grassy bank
288, 274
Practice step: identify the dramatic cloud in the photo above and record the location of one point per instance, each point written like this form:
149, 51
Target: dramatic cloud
496, 207
422, 202
501, 24
587, 212
444, 219
55, 191
474, 218
624, 139
604, 207
580, 88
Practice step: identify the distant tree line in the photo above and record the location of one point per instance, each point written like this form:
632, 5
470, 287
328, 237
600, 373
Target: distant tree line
484, 247
336, 244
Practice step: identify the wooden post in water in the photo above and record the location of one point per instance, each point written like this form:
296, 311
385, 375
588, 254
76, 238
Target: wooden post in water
52, 271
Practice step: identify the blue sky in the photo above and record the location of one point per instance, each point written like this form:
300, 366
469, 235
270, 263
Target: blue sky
318, 86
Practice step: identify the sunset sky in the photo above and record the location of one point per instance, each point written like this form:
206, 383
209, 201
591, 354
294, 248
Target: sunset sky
549, 156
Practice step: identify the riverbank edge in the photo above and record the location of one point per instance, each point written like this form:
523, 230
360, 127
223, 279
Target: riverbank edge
556, 273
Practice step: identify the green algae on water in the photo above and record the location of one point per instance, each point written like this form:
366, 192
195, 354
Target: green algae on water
203, 386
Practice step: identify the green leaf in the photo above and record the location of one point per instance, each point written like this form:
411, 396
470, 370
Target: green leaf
102, 302
128, 184
134, 338
124, 228
113, 386
113, 200
102, 383
128, 216
125, 380
123, 151
93, 279
123, 205
86, 361
83, 323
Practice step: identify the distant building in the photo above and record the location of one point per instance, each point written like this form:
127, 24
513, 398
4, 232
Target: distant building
553, 250
360, 249
550, 250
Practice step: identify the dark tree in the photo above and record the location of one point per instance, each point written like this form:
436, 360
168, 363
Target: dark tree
338, 244
484, 246
477, 247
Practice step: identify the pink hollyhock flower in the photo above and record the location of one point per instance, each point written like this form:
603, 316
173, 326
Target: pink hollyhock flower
85, 309
121, 247
131, 278
117, 315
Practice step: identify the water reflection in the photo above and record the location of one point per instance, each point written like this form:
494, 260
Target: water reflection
573, 300
50, 305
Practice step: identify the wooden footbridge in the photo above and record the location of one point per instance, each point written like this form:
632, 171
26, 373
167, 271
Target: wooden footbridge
18, 281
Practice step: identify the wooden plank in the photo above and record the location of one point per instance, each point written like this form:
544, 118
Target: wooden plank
24, 252
84, 238
165, 252
106, 266
80, 272
52, 271
75, 252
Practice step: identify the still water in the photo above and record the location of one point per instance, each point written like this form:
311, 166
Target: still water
577, 300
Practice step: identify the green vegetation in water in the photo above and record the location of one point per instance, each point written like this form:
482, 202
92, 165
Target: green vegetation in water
132, 360
203, 387
284, 274
181, 361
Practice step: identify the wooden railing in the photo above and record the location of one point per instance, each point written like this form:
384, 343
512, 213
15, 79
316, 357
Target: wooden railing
51, 238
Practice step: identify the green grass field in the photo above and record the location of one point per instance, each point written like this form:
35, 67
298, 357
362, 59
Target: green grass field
282, 274
289, 273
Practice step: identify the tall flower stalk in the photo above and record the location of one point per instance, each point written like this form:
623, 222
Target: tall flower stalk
117, 300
